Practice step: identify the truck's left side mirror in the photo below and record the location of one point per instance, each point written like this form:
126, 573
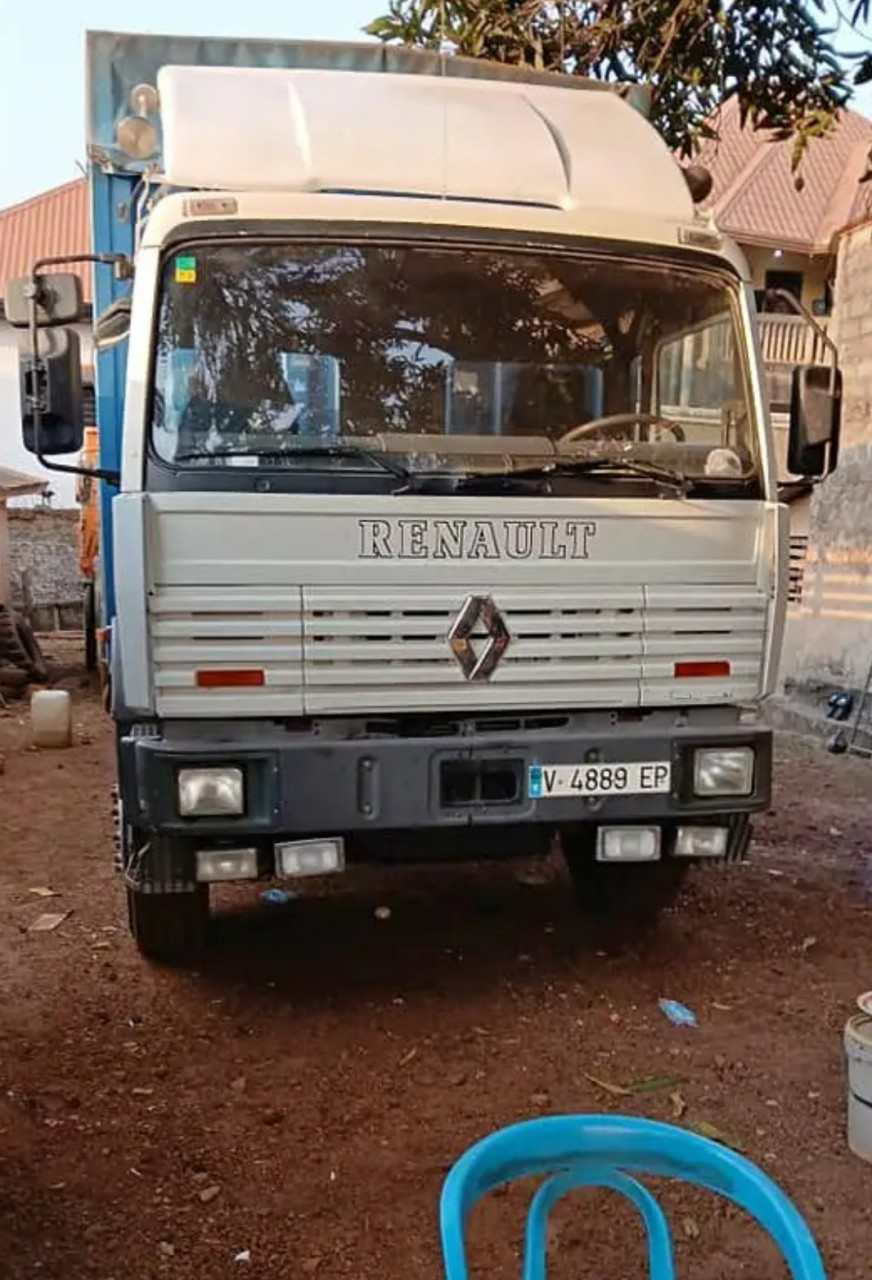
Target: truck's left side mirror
58, 299
815, 421
52, 382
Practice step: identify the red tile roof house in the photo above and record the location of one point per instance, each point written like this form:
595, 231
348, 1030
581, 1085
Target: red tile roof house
789, 237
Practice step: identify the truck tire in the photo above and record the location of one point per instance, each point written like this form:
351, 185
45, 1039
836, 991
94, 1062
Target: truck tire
628, 894
169, 928
20, 647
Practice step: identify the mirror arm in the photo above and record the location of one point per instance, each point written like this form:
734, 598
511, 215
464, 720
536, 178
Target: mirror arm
802, 310
118, 260
95, 473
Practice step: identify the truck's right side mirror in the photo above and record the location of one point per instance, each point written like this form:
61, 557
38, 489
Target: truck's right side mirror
53, 382
815, 421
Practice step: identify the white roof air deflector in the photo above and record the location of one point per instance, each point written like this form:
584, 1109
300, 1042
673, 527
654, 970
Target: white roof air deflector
265, 129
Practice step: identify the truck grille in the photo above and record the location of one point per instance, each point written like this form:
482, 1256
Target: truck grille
593, 647
348, 651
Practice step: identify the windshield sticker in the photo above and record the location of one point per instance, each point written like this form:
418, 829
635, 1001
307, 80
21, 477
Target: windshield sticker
186, 269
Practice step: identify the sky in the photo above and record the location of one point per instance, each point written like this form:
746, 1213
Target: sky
42, 60
42, 112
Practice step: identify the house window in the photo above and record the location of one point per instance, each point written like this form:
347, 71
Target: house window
789, 282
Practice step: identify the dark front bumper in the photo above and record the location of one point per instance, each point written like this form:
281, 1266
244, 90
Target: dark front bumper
304, 784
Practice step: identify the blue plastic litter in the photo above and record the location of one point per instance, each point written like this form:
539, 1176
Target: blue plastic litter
677, 1013
277, 897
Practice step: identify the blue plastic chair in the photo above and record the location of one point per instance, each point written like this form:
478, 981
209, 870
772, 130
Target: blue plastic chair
604, 1151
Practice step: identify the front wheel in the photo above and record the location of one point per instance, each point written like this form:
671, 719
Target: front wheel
169, 928
633, 894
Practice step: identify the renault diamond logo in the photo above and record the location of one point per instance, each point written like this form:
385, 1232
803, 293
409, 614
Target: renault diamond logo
479, 614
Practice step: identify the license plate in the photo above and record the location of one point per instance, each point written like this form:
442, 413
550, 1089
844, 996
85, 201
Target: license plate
641, 777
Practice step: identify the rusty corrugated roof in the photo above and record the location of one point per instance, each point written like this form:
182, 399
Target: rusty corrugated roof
56, 222
754, 197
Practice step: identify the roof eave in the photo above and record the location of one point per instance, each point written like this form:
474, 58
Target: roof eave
759, 240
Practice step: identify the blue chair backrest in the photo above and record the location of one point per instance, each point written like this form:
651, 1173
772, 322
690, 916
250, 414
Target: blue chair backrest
604, 1151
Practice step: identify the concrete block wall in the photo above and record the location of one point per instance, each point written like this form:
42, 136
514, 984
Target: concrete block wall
45, 541
829, 635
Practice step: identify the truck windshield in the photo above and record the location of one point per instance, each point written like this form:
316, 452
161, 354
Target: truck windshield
447, 359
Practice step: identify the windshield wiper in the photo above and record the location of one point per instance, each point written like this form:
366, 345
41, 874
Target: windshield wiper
677, 482
392, 468
395, 469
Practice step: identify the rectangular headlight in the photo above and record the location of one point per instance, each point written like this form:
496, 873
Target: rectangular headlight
210, 792
309, 857
701, 842
215, 865
723, 771
628, 844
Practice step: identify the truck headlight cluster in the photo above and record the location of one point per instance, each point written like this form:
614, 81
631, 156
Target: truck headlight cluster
723, 771
216, 792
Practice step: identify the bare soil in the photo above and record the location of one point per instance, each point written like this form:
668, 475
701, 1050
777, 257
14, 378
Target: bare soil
291, 1108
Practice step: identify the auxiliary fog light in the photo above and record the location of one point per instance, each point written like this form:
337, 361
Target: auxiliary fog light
628, 844
700, 842
216, 792
215, 865
723, 771
136, 137
310, 858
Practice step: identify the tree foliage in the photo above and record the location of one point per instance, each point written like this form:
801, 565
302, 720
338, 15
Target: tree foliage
782, 59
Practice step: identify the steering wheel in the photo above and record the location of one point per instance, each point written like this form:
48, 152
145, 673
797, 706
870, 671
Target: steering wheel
616, 420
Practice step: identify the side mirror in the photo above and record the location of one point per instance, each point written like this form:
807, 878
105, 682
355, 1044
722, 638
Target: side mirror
53, 383
112, 326
815, 420
58, 300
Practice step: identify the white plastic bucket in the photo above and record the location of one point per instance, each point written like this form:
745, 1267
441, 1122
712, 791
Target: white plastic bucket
858, 1052
51, 718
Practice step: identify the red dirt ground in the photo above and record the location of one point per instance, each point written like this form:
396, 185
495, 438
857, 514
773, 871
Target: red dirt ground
299, 1098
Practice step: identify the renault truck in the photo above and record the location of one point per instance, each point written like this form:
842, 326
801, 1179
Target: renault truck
438, 499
